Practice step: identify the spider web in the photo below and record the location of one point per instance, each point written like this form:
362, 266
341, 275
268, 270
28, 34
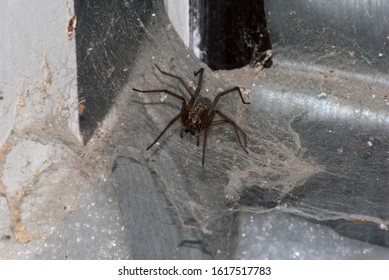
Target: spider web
281, 169
161, 203
203, 201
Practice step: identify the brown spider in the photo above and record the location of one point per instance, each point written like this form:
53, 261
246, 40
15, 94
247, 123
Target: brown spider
199, 112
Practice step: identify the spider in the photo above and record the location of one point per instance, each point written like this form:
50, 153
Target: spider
198, 113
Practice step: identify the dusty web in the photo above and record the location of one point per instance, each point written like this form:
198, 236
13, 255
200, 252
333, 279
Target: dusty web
205, 199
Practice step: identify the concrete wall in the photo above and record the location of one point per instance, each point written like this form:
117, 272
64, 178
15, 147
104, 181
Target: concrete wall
39, 89
38, 65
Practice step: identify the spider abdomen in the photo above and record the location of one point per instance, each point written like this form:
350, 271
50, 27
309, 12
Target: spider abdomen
196, 118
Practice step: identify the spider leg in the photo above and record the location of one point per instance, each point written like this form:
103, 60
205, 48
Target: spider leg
224, 93
199, 83
168, 92
188, 89
236, 128
234, 125
163, 131
206, 134
164, 91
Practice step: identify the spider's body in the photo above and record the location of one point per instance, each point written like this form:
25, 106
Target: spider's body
196, 118
198, 113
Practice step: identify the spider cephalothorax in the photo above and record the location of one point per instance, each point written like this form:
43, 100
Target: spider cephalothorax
198, 113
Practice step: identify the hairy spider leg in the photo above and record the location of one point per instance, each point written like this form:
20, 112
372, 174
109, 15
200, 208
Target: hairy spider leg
223, 121
166, 128
234, 125
224, 93
188, 89
164, 91
183, 108
226, 119
199, 83
205, 137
